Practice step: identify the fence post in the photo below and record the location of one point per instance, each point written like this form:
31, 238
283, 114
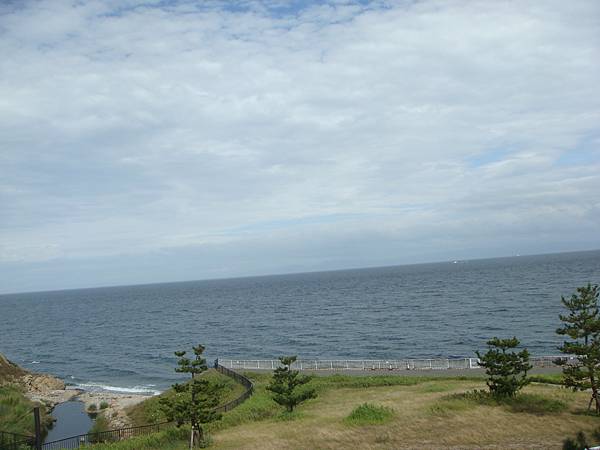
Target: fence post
38, 428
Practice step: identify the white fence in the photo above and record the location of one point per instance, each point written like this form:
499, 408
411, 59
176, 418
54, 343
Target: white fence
373, 364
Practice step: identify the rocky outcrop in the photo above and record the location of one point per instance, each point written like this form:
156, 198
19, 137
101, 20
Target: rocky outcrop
38, 387
50, 391
40, 383
116, 405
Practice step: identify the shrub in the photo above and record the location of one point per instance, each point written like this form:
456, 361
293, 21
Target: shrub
580, 442
206, 441
506, 370
288, 386
547, 379
100, 424
92, 408
103, 405
369, 414
521, 403
534, 404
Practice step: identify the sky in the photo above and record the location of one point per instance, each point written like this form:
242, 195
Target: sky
153, 141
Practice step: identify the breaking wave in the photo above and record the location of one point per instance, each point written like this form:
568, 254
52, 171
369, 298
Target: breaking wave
98, 387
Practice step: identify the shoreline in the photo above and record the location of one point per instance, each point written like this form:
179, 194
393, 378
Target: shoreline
50, 391
117, 402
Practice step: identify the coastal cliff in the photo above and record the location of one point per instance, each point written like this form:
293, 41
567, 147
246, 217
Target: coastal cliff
39, 387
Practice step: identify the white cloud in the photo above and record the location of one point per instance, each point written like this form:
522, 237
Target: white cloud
155, 128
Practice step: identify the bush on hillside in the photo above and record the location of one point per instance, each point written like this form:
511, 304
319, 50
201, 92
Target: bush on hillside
369, 414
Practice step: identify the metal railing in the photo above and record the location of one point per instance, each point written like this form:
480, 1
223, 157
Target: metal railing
14, 441
373, 364
104, 436
244, 381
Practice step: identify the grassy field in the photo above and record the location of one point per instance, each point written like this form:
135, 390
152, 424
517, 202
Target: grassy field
395, 412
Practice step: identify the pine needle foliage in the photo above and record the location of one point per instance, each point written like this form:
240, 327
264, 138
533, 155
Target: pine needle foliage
506, 370
194, 401
287, 385
582, 326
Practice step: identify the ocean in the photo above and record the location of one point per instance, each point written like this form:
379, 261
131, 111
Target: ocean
123, 338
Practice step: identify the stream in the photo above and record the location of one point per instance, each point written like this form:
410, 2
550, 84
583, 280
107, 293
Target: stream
71, 420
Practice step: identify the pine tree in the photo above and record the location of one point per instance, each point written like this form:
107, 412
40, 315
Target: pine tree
286, 385
194, 401
507, 371
582, 326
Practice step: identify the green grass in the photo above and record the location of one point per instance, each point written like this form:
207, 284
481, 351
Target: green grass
258, 407
15, 412
451, 404
522, 403
369, 414
170, 439
556, 378
349, 381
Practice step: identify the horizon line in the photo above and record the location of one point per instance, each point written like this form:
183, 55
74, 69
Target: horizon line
294, 273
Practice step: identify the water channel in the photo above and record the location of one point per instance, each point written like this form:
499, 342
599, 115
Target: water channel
71, 420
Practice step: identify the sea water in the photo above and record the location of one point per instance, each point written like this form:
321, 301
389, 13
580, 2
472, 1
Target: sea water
123, 338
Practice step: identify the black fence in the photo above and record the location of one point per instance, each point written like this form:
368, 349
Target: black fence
244, 381
104, 436
13, 441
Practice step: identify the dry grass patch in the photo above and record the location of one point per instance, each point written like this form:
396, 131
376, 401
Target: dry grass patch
416, 424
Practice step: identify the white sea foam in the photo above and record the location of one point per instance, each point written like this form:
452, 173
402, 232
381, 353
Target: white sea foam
98, 387
35, 362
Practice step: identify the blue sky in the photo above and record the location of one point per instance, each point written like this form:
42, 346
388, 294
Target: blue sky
159, 141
